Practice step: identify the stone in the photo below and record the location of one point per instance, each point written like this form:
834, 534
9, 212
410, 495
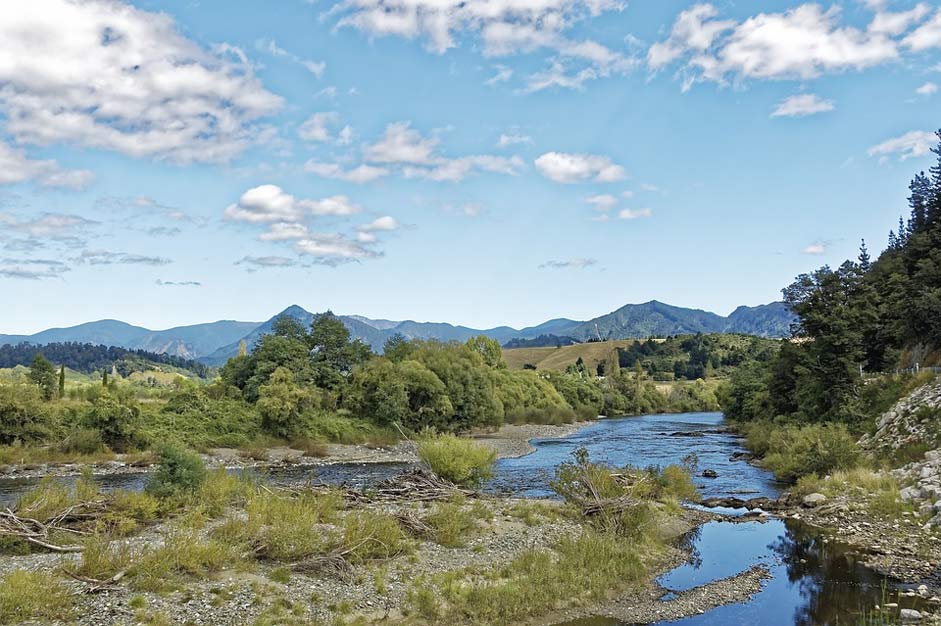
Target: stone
933, 455
910, 615
813, 500
709, 473
910, 493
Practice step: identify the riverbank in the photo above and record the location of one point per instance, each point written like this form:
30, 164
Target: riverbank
509, 441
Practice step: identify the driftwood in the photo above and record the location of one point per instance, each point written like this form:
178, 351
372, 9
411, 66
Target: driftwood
36, 532
414, 525
417, 485
96, 585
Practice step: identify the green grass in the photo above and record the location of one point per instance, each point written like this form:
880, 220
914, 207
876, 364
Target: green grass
28, 595
452, 524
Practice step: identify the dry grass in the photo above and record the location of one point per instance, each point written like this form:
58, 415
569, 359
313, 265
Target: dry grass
560, 358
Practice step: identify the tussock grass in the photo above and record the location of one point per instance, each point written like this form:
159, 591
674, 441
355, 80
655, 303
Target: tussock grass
184, 553
461, 461
452, 524
369, 536
28, 595
575, 571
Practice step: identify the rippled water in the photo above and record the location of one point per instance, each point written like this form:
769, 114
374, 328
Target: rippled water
642, 441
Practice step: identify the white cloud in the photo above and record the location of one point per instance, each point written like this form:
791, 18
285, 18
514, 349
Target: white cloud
503, 74
573, 168
926, 36
56, 226
32, 269
927, 89
416, 156
334, 205
360, 174
913, 144
802, 105
284, 231
104, 74
384, 223
16, 167
512, 139
504, 28
580, 263
317, 127
800, 43
177, 283
334, 249
816, 248
106, 257
265, 203
258, 262
633, 214
402, 144
602, 202
270, 46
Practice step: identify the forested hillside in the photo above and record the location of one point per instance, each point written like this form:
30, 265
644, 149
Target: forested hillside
88, 358
866, 316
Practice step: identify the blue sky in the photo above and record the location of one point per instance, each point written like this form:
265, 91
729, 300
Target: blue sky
482, 163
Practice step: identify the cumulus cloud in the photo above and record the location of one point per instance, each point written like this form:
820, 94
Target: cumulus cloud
290, 220
799, 43
575, 168
16, 167
926, 36
581, 263
402, 144
928, 89
503, 28
802, 105
104, 74
917, 143
265, 203
816, 248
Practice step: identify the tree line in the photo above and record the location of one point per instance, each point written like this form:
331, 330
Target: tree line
864, 316
89, 358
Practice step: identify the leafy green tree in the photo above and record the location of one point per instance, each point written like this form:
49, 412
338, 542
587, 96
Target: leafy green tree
333, 353
61, 381
282, 403
397, 348
488, 349
405, 393
43, 375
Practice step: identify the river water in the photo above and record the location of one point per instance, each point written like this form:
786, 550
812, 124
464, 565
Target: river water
815, 582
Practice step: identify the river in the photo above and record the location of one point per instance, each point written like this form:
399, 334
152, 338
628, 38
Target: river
815, 581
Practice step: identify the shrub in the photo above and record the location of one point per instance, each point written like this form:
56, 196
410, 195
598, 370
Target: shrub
284, 528
178, 472
184, 553
28, 595
461, 461
128, 510
82, 441
795, 451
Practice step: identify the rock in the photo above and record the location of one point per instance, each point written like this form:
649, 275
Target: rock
909, 615
933, 455
910, 493
813, 500
708, 473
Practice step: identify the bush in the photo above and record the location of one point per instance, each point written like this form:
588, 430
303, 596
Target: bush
178, 472
32, 596
461, 461
284, 528
795, 451
83, 441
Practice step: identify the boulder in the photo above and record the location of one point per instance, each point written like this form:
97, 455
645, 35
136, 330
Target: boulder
813, 500
708, 473
909, 615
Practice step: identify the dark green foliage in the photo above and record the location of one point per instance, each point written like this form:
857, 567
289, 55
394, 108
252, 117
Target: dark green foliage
43, 375
23, 414
116, 418
866, 315
691, 357
178, 472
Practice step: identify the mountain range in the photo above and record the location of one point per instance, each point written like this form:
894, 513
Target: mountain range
215, 342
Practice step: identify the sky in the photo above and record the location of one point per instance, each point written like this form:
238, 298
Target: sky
480, 162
